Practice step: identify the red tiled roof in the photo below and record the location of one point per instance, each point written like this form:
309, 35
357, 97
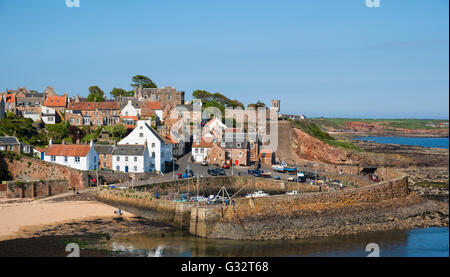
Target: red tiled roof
41, 149
133, 117
171, 140
108, 105
202, 144
148, 108
55, 101
152, 105
10, 98
70, 150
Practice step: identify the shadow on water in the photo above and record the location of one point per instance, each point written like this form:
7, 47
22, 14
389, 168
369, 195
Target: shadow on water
417, 242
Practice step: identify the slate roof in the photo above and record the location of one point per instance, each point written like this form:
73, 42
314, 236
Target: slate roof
129, 150
9, 141
90, 106
104, 149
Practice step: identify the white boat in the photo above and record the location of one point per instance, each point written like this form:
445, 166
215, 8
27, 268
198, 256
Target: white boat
258, 193
294, 192
278, 168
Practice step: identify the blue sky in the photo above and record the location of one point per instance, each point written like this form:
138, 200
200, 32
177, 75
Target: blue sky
320, 57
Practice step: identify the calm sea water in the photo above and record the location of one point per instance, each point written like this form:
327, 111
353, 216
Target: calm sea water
425, 142
426, 242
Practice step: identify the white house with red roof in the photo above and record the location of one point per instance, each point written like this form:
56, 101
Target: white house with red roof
78, 156
52, 108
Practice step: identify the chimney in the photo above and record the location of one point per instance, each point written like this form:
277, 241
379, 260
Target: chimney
78, 141
50, 142
91, 143
63, 141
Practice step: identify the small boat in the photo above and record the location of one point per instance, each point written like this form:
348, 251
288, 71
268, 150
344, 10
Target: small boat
278, 168
294, 192
258, 193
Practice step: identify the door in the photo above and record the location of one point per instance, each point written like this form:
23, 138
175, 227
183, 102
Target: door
42, 156
126, 168
236, 162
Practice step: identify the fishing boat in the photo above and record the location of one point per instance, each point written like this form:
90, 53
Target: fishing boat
258, 193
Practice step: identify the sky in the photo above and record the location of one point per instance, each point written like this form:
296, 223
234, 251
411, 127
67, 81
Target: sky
319, 57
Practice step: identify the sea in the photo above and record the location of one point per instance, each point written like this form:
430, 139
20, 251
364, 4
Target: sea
424, 142
420, 242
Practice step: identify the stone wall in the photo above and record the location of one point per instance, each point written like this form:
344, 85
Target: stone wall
36, 189
32, 169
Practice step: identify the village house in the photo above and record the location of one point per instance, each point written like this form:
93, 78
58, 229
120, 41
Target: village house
105, 156
130, 114
28, 104
10, 102
166, 95
10, 144
267, 157
82, 157
200, 149
159, 148
236, 152
152, 110
93, 113
132, 158
53, 109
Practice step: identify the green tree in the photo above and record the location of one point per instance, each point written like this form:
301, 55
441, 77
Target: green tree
95, 94
57, 132
119, 130
117, 92
144, 81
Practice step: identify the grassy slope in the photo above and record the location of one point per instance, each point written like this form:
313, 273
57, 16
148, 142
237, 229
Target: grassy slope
338, 123
314, 130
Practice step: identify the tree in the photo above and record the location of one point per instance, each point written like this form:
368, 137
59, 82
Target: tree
76, 133
119, 130
95, 94
57, 132
144, 81
258, 104
118, 92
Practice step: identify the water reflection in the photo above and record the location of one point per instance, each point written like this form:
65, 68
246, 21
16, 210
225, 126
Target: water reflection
175, 244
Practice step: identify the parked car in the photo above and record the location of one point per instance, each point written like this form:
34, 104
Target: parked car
257, 173
221, 172
212, 172
226, 166
204, 163
250, 171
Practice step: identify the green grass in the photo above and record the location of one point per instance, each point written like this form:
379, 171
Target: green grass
314, 130
338, 123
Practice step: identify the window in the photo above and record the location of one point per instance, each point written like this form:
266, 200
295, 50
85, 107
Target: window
135, 168
141, 135
135, 159
78, 121
53, 158
71, 121
104, 156
126, 158
118, 168
126, 113
196, 150
153, 154
65, 159
77, 159
104, 164
98, 121
240, 154
153, 145
202, 150
118, 158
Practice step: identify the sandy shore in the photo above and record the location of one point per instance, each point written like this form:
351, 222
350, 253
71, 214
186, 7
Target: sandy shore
15, 218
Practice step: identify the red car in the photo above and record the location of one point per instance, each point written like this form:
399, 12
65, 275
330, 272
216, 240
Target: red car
226, 166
